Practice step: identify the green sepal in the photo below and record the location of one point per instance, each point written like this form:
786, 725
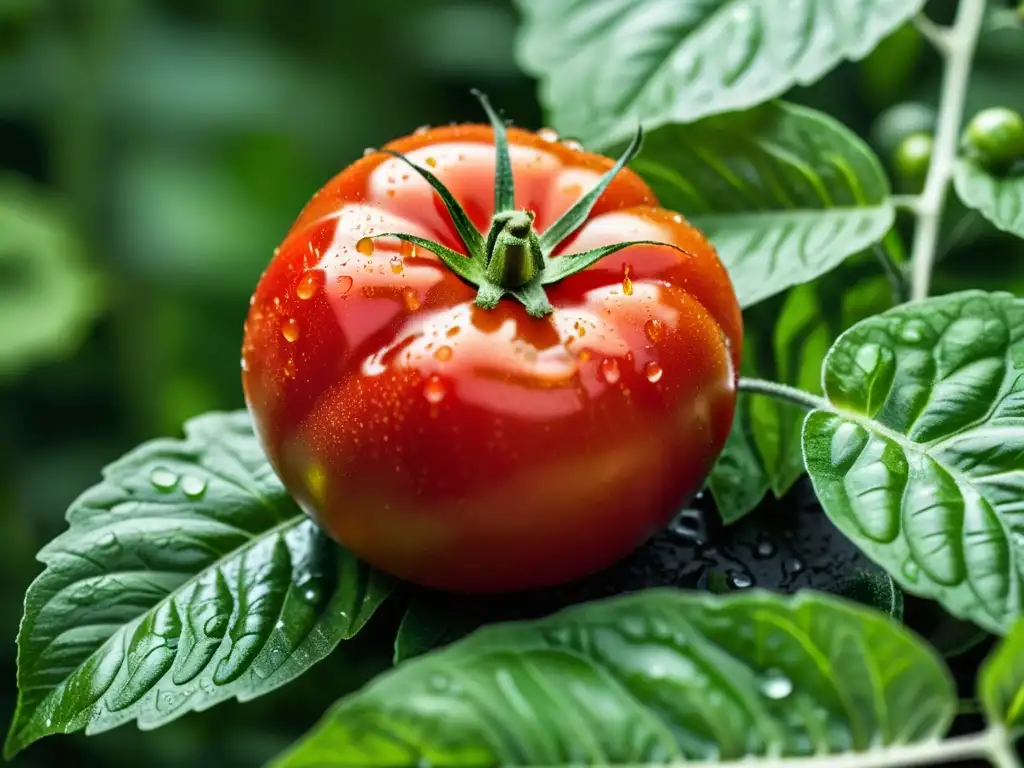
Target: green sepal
504, 181
573, 219
488, 295
533, 297
470, 235
560, 267
467, 268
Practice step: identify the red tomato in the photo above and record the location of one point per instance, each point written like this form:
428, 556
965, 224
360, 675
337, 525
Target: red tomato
475, 449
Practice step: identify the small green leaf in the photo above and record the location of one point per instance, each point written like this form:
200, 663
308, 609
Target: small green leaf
919, 458
504, 181
1001, 681
999, 199
784, 193
187, 577
660, 676
606, 64
48, 296
566, 264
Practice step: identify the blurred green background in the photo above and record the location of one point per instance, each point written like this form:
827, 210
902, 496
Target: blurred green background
152, 155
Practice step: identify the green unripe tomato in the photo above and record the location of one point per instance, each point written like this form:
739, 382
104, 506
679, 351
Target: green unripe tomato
911, 160
900, 121
995, 139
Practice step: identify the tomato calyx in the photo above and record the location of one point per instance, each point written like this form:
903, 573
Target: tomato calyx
512, 258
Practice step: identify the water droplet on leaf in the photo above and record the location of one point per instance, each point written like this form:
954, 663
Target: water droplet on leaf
193, 487
740, 580
776, 685
438, 683
765, 548
163, 479
911, 570
868, 357
913, 332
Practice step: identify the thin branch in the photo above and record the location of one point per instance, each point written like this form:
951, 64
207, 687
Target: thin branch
958, 45
940, 37
784, 392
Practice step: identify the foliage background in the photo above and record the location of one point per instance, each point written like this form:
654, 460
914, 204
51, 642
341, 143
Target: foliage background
169, 144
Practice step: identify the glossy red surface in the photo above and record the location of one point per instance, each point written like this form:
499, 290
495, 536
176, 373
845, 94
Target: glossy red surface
479, 450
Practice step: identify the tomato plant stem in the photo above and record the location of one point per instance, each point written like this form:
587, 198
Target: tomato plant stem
783, 392
957, 44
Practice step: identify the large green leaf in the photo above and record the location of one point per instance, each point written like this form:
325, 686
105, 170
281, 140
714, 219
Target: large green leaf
662, 675
1001, 681
784, 193
187, 577
605, 64
786, 340
999, 199
48, 295
919, 455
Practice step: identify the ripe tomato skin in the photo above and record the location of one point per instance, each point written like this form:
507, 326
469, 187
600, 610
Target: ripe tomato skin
484, 450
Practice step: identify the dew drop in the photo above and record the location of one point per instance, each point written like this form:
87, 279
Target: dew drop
216, 626
453, 331
740, 580
193, 487
443, 353
369, 151
365, 246
434, 390
793, 565
312, 594
411, 299
913, 332
438, 683
548, 134
163, 479
572, 144
610, 370
421, 130
344, 284
627, 286
765, 548
306, 287
776, 685
653, 372
911, 570
289, 368
245, 364
107, 540
868, 357
654, 329
584, 355
396, 264
432, 162
290, 329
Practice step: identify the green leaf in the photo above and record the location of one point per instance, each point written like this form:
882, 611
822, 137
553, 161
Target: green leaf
605, 64
187, 577
919, 457
786, 340
999, 199
784, 193
658, 676
1001, 681
48, 296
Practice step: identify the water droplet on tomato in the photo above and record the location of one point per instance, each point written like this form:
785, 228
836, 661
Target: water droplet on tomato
453, 331
306, 287
290, 329
245, 364
289, 368
344, 284
443, 353
434, 390
677, 218
411, 299
653, 371
655, 329
421, 130
584, 355
369, 151
548, 134
431, 162
396, 264
627, 284
776, 685
365, 246
610, 370
163, 479
572, 144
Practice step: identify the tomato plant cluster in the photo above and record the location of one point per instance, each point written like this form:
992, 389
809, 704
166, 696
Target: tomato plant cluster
485, 365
